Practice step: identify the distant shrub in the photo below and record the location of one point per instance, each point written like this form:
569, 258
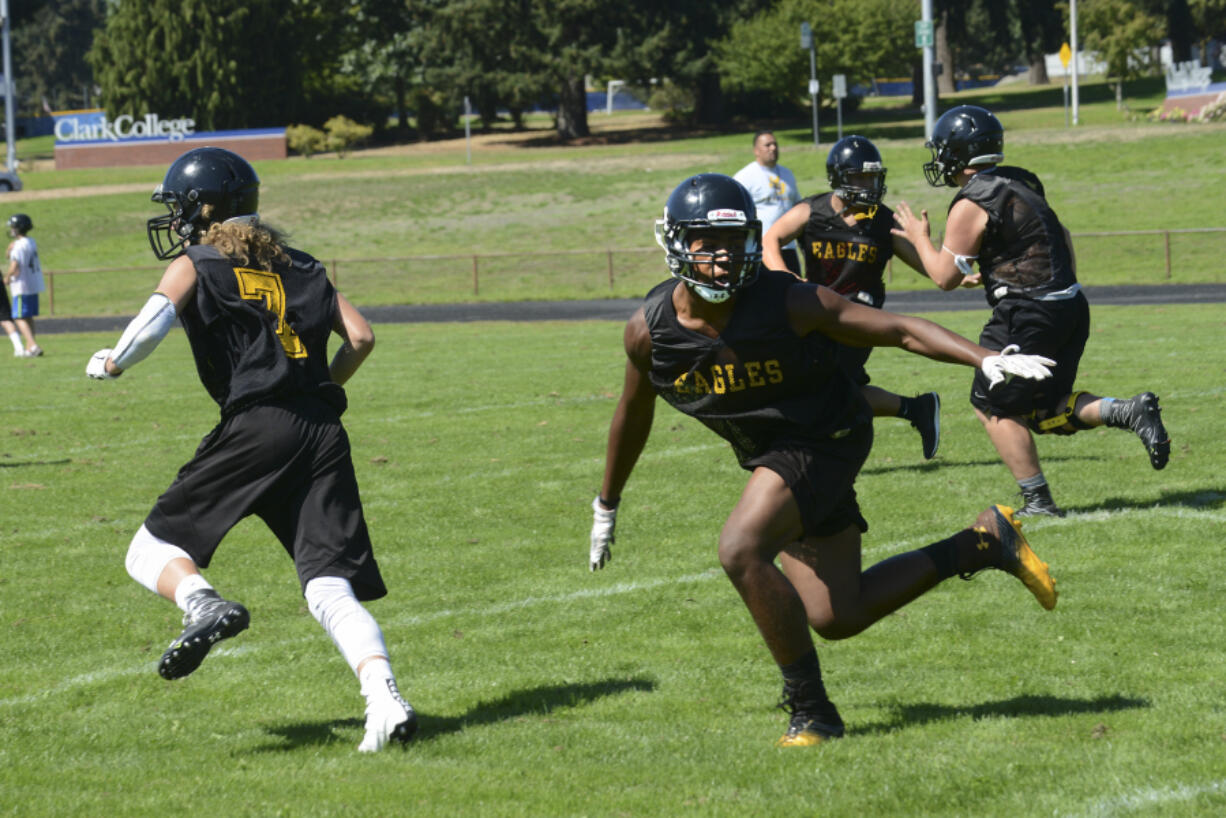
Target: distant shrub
305, 140
671, 100
344, 133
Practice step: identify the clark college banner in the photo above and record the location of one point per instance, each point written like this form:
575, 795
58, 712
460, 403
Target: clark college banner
89, 139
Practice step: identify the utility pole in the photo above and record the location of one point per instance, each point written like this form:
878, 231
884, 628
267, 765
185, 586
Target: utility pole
924, 38
806, 41
1073, 26
11, 154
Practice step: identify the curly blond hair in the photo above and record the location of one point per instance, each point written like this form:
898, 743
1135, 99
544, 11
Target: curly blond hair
250, 243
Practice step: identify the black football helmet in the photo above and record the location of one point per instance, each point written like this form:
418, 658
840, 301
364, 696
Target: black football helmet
21, 223
705, 202
856, 154
963, 137
212, 176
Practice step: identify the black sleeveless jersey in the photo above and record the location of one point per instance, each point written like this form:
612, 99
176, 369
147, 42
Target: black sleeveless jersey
1023, 253
261, 334
758, 385
848, 259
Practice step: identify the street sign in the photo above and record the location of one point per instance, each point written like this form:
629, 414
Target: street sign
814, 87
806, 36
1066, 54
840, 86
923, 34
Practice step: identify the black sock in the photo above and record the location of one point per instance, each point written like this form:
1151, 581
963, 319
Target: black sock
944, 556
803, 669
906, 407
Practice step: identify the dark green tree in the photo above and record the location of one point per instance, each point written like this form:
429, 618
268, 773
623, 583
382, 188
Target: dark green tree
49, 43
224, 63
760, 59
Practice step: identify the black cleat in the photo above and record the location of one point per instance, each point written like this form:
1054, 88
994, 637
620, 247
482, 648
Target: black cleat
1146, 421
928, 424
216, 619
814, 717
1038, 503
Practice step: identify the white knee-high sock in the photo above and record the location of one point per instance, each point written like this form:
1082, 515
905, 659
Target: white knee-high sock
355, 632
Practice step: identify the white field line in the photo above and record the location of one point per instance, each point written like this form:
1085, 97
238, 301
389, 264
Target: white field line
485, 610
1151, 797
587, 593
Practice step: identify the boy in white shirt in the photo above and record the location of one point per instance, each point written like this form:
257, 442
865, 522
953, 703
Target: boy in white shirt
25, 280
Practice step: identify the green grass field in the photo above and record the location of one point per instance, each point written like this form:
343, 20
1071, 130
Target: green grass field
520, 201
642, 690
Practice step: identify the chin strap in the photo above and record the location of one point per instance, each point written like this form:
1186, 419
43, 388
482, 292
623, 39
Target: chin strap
144, 332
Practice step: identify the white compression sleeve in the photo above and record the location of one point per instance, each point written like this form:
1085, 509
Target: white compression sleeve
148, 556
144, 332
352, 628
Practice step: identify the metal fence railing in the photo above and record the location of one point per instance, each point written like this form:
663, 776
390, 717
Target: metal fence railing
1142, 255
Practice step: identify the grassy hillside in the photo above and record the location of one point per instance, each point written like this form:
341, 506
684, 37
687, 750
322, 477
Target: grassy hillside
523, 197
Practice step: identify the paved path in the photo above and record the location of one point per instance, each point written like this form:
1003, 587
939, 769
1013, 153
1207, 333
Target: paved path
619, 309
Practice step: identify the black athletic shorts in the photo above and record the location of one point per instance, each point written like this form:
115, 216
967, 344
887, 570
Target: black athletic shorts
289, 463
1054, 329
6, 306
822, 479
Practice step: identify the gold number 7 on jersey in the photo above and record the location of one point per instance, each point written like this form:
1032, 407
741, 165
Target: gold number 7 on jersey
261, 285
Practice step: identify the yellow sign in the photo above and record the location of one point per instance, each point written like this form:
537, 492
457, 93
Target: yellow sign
1066, 54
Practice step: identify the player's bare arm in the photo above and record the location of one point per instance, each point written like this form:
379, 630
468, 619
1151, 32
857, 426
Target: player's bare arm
628, 434
631, 424
786, 228
814, 308
358, 337
906, 251
952, 262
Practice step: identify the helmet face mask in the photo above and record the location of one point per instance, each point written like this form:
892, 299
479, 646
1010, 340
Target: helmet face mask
202, 176
856, 171
710, 226
963, 137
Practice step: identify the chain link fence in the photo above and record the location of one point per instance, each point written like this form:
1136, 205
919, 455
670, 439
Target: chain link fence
1103, 258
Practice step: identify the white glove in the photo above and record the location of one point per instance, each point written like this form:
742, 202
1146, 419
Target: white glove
96, 368
603, 521
1009, 363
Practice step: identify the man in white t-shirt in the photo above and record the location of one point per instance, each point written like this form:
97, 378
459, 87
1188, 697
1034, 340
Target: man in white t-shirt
773, 188
25, 280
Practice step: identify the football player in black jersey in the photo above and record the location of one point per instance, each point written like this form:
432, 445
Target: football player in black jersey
752, 354
846, 243
258, 316
1000, 217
